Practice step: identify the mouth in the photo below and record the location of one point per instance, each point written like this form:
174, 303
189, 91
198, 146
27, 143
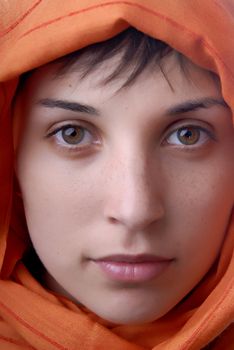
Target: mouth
132, 268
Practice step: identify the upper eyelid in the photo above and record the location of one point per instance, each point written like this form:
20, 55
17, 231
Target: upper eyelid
189, 126
81, 124
191, 121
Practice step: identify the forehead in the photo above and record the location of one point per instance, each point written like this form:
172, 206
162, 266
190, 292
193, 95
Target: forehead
170, 80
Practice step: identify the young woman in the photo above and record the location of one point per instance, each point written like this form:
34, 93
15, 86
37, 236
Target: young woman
117, 173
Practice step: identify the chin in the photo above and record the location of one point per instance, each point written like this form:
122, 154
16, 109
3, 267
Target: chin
130, 317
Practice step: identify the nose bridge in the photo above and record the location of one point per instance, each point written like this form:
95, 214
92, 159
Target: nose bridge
136, 177
133, 194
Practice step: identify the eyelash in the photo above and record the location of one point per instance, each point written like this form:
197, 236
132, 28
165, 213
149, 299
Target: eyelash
79, 147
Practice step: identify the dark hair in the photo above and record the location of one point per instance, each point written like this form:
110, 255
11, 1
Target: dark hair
136, 50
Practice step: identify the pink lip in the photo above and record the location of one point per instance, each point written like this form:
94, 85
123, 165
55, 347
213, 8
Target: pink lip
133, 268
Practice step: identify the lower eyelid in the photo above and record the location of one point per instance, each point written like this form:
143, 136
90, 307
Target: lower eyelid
74, 150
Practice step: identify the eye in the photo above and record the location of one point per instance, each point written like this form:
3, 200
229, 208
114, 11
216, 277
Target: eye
189, 136
73, 136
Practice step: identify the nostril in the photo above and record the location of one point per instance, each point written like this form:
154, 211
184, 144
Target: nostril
112, 220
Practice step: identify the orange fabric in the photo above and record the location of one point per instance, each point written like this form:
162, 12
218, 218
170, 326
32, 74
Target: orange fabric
33, 318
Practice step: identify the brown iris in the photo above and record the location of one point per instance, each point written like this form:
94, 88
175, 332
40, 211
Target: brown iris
188, 135
73, 135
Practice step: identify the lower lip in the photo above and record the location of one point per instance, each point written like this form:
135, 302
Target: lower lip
133, 272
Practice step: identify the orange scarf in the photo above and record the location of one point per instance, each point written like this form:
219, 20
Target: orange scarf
32, 317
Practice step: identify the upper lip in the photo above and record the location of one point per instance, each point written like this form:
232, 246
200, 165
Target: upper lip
133, 258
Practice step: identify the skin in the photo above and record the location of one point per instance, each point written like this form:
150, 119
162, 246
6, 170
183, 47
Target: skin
129, 187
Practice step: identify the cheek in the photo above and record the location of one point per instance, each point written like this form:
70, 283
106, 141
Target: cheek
200, 204
59, 200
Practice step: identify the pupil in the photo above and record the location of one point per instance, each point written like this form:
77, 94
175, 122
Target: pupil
186, 133
188, 136
72, 135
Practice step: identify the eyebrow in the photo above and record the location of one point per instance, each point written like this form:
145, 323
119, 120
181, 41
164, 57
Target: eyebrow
193, 105
68, 105
184, 107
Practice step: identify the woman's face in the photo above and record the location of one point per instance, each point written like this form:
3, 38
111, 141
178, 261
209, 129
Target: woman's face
127, 193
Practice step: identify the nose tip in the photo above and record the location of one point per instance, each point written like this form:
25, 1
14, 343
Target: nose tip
134, 202
134, 220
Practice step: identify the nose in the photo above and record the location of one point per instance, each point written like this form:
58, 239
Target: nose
134, 192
